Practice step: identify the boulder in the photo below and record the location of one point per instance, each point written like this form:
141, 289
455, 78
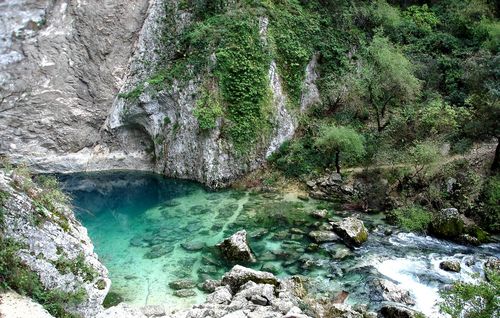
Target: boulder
182, 284
447, 224
393, 310
492, 264
319, 214
351, 230
240, 275
236, 249
193, 246
210, 285
323, 236
450, 266
153, 311
384, 290
221, 295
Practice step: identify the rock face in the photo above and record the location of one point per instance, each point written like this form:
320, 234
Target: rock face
393, 310
235, 248
450, 266
61, 65
351, 230
447, 224
55, 239
80, 122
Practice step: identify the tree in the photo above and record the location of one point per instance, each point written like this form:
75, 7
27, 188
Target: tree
387, 80
483, 76
335, 140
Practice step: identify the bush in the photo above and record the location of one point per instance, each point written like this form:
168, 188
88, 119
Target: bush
16, 276
473, 300
490, 212
415, 218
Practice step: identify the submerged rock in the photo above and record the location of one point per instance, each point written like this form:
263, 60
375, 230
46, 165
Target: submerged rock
236, 249
193, 246
319, 214
450, 266
351, 230
184, 293
324, 236
182, 284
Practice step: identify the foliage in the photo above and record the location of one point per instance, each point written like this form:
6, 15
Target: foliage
490, 211
4, 196
208, 109
422, 155
77, 266
413, 218
15, 275
474, 300
334, 140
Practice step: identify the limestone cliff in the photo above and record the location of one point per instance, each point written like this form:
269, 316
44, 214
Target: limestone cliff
52, 244
62, 65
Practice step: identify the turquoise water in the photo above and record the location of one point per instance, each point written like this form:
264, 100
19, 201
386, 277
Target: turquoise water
150, 231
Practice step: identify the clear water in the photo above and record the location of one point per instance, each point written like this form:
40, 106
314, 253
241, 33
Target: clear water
149, 231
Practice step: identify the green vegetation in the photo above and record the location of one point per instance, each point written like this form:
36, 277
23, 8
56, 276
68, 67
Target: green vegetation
336, 140
473, 300
414, 218
16, 276
77, 266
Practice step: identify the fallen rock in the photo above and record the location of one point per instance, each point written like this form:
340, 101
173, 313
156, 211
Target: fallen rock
393, 310
384, 290
323, 236
447, 224
236, 249
153, 311
492, 264
351, 230
240, 275
210, 285
182, 284
193, 246
221, 295
450, 266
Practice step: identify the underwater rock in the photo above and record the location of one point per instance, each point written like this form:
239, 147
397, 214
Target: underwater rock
351, 230
193, 246
450, 266
182, 284
158, 251
258, 233
319, 214
323, 236
384, 290
236, 249
240, 275
447, 224
270, 268
184, 293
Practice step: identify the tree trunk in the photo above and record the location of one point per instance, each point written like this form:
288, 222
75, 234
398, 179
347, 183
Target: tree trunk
337, 161
495, 166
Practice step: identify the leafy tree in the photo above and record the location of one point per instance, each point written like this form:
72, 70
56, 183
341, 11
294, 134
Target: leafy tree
387, 81
335, 140
422, 155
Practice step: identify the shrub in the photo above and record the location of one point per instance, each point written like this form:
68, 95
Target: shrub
472, 300
208, 109
414, 218
16, 276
